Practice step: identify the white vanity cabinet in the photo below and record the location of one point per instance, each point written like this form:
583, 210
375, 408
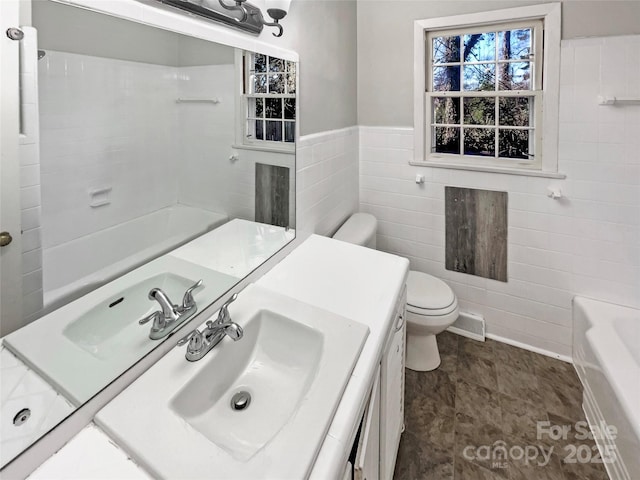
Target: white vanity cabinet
383, 419
392, 392
367, 464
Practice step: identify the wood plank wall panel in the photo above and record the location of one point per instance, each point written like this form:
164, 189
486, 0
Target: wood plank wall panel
272, 195
476, 232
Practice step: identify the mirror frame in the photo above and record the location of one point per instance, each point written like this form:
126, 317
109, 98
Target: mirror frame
157, 15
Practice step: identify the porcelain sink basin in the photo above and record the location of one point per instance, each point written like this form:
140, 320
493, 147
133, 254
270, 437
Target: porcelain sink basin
111, 326
275, 363
294, 362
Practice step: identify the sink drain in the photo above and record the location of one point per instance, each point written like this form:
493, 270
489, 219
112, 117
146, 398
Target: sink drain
21, 417
240, 401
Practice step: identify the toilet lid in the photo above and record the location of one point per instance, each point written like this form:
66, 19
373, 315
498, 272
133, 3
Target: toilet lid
428, 292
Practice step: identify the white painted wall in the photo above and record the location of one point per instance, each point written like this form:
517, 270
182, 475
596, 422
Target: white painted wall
587, 243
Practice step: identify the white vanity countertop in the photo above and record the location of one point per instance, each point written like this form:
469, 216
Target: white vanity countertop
358, 283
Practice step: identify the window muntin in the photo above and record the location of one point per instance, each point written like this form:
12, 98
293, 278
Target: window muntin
270, 101
484, 94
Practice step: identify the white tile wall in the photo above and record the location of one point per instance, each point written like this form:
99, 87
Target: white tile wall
208, 178
104, 123
586, 243
30, 198
327, 180
23, 388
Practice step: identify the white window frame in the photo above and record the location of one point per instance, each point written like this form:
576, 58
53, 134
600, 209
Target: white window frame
546, 151
242, 140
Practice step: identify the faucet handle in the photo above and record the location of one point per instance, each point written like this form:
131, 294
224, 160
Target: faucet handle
194, 339
223, 315
155, 316
188, 300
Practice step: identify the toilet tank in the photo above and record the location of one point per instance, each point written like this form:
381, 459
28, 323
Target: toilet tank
360, 228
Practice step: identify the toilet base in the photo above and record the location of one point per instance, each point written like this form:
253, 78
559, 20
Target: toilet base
422, 353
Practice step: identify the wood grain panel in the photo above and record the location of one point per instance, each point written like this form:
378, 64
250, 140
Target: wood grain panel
272, 195
476, 232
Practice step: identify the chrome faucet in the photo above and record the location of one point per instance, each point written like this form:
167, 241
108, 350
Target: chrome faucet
201, 343
170, 315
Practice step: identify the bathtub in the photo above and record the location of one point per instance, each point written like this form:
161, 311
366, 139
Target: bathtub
81, 265
606, 353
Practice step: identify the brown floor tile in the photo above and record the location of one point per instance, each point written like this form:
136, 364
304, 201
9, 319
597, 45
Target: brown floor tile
491, 395
479, 403
518, 383
435, 386
563, 400
449, 364
537, 469
466, 470
420, 460
514, 358
434, 424
478, 370
447, 343
520, 419
474, 348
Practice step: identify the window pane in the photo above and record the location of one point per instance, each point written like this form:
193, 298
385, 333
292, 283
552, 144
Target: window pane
515, 76
446, 79
276, 64
446, 110
256, 107
480, 111
291, 83
259, 130
260, 62
514, 144
273, 131
514, 44
289, 131
291, 67
259, 84
515, 111
276, 83
290, 108
480, 47
480, 77
480, 141
446, 49
447, 140
273, 107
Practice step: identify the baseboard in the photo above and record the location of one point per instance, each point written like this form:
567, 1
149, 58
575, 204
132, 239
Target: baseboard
469, 325
531, 348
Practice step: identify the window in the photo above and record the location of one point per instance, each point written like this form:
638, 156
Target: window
487, 97
269, 99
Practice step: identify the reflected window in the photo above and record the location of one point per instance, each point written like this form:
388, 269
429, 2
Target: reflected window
270, 100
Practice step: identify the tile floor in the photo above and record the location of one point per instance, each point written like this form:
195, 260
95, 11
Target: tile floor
490, 392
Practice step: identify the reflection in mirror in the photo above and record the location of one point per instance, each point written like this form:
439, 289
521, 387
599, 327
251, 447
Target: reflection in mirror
166, 175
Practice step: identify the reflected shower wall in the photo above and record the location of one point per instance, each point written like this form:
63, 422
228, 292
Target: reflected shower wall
123, 164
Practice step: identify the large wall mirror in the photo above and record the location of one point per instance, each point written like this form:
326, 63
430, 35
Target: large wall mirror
166, 174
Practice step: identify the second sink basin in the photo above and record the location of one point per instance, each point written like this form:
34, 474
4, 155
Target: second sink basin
259, 407
268, 372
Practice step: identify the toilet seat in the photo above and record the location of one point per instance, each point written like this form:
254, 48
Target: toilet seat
429, 296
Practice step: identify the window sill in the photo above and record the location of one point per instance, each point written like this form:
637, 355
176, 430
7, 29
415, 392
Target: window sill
490, 169
290, 151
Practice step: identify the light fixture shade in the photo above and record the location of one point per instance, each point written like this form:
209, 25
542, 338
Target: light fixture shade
278, 4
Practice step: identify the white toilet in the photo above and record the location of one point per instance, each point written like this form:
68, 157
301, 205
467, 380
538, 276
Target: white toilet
431, 304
